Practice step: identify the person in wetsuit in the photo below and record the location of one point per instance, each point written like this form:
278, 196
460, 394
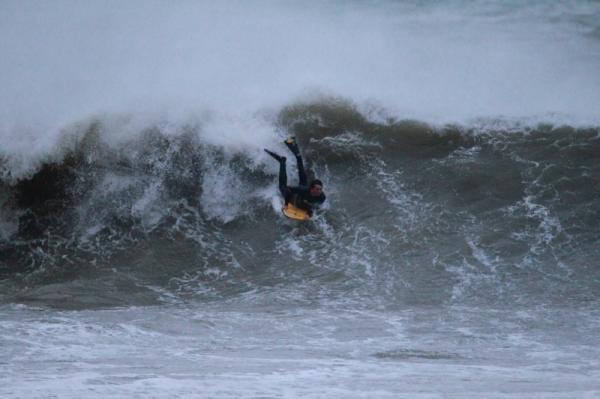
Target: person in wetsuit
304, 196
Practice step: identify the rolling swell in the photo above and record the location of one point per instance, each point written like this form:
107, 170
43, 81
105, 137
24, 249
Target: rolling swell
416, 214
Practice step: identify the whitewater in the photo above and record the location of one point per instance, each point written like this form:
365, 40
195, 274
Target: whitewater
143, 252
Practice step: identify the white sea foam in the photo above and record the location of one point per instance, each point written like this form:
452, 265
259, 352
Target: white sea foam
225, 352
66, 61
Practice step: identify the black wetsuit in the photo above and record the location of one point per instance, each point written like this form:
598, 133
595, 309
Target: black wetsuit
300, 195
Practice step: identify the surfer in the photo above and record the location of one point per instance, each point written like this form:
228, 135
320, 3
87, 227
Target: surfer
304, 196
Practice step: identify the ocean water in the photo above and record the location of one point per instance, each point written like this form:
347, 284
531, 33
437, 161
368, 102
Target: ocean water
143, 252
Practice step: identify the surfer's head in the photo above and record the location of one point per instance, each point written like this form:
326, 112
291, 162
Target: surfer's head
315, 188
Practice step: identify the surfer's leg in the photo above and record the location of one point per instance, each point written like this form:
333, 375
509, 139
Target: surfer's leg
293, 146
301, 173
283, 179
279, 158
290, 142
283, 188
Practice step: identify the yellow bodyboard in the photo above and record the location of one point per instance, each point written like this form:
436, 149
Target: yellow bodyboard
292, 212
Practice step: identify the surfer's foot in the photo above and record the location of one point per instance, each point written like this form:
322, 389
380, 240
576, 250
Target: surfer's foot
291, 144
279, 158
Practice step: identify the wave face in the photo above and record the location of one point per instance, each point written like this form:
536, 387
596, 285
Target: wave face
458, 142
415, 214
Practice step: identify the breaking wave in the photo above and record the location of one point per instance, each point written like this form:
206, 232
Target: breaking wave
124, 212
